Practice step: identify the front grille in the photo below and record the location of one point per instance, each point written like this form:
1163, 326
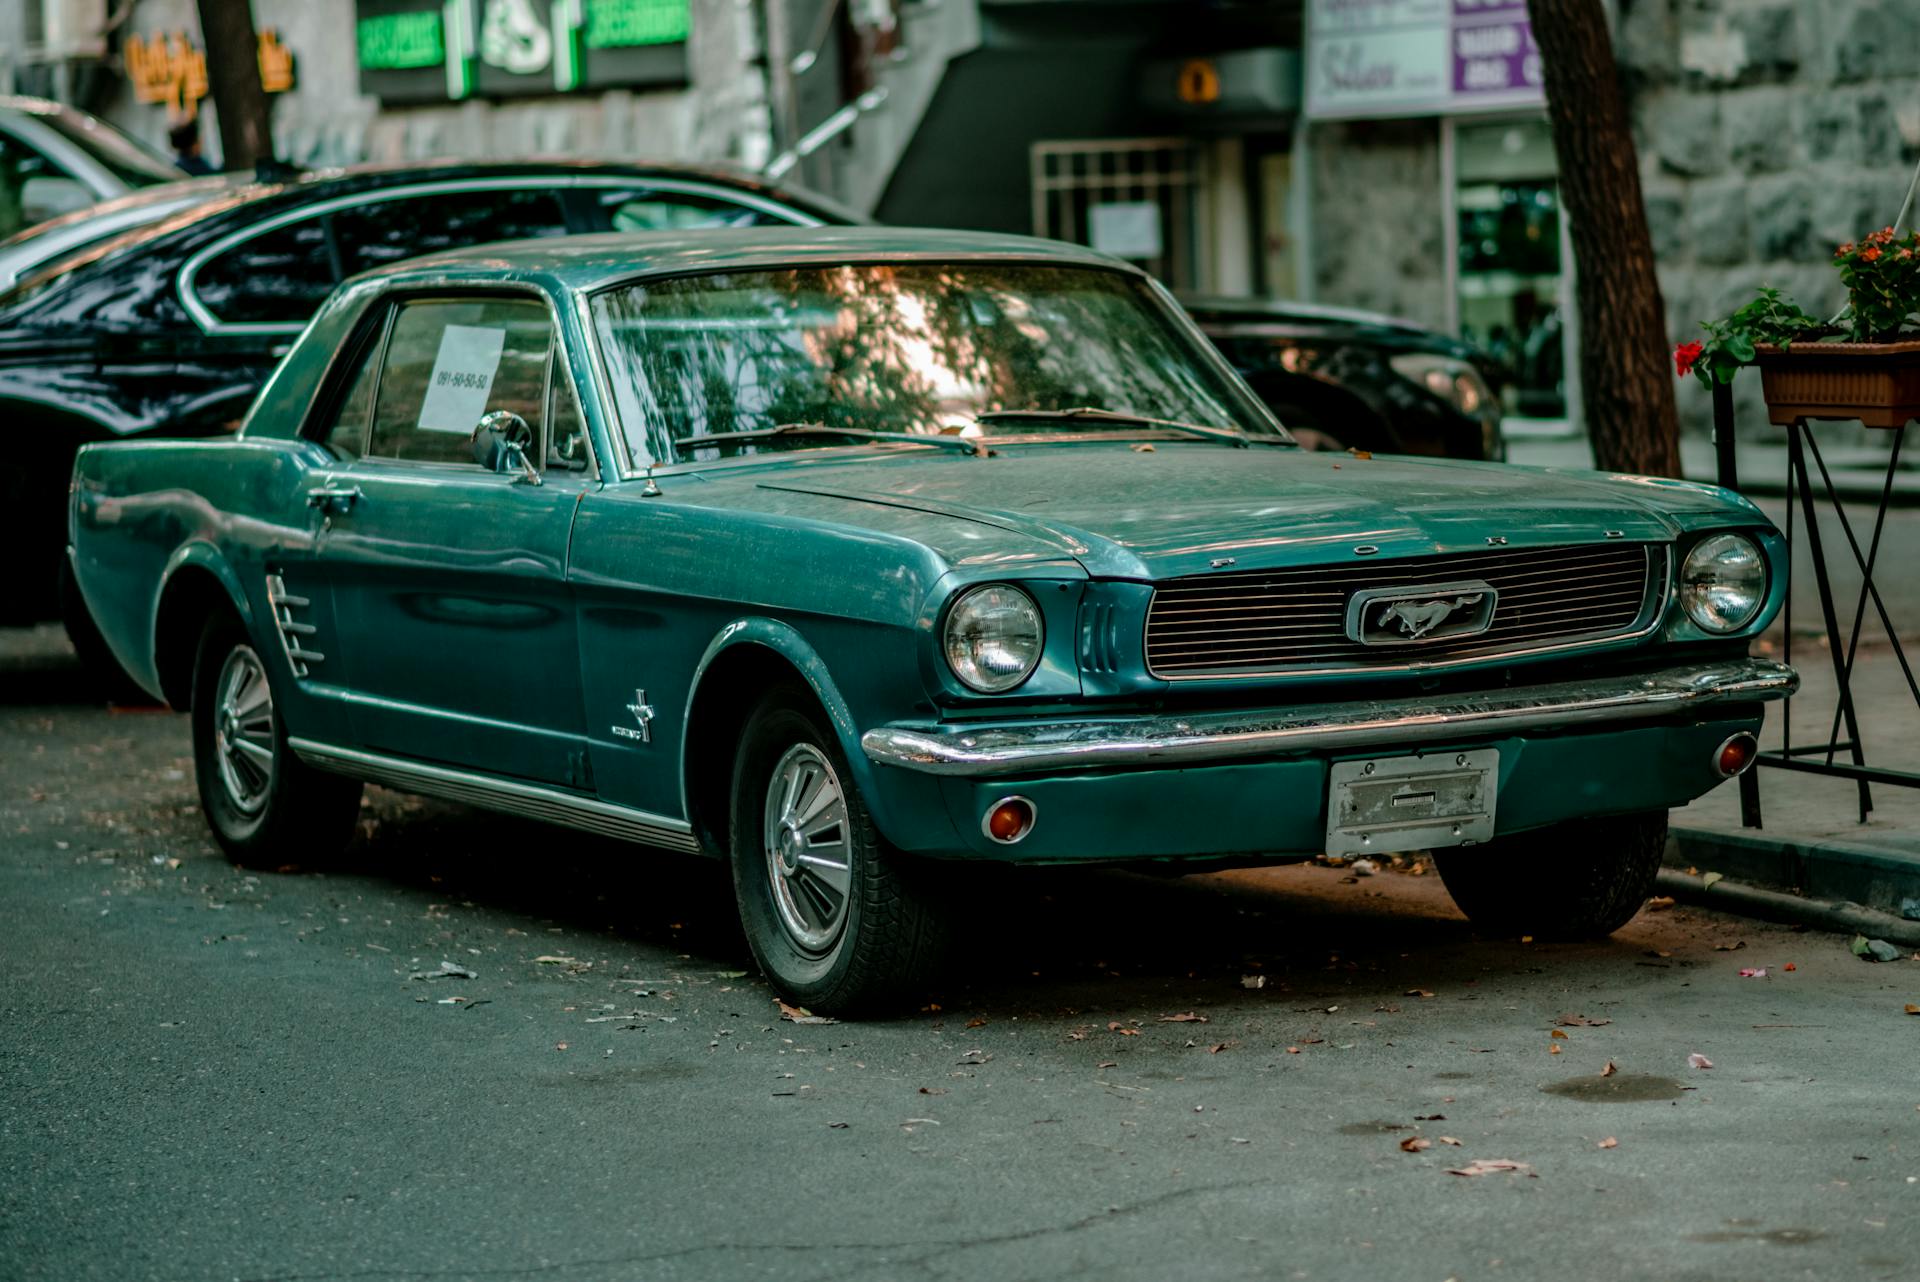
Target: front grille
1250, 621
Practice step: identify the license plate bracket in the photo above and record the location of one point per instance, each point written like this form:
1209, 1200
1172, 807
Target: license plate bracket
1382, 805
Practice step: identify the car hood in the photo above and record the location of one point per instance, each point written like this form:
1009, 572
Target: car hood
1178, 508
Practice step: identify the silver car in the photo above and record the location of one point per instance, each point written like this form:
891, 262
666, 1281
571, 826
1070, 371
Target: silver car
54, 160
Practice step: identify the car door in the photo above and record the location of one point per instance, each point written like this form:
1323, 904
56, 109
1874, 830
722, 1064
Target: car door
448, 578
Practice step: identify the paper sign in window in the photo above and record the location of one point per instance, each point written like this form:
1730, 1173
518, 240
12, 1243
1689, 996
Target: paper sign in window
462, 378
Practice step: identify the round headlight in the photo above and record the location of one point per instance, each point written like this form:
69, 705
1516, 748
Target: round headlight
1723, 582
993, 637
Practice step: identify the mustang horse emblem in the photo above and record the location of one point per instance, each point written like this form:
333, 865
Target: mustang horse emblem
1419, 618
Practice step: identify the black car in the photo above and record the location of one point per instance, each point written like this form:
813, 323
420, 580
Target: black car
170, 329
1342, 379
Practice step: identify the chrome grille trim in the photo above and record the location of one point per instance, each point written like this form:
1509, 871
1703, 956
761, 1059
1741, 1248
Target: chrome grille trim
1258, 623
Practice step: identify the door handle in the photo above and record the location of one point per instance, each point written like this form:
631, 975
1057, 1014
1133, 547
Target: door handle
332, 498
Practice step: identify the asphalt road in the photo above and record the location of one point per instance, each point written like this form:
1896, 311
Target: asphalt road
210, 1074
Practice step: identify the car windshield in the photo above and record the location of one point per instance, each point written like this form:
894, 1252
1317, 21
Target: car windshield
918, 348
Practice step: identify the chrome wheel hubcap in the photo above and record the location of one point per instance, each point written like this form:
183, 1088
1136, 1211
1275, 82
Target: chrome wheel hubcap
243, 730
809, 861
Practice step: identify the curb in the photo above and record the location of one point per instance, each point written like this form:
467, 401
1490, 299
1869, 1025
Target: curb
1832, 885
1773, 905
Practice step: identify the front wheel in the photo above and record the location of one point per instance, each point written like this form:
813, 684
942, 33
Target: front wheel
1579, 880
838, 919
265, 806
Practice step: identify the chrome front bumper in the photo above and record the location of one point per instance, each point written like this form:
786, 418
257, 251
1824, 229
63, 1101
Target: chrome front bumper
1053, 746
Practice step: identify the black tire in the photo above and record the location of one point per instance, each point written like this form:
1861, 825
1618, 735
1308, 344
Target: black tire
287, 812
1577, 880
890, 935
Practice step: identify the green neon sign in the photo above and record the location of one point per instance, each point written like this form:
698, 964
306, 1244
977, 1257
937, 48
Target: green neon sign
624, 24
401, 41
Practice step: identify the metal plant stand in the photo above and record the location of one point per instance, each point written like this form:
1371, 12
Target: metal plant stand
1822, 758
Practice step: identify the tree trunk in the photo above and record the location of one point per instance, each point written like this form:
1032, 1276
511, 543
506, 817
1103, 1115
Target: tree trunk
233, 78
1626, 381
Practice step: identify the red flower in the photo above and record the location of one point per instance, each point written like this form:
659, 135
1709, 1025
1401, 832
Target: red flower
1844, 250
1869, 255
1684, 356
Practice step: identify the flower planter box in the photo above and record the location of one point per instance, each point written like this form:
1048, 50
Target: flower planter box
1876, 383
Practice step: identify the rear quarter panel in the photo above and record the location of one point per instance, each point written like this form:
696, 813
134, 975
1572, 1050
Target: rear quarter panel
142, 511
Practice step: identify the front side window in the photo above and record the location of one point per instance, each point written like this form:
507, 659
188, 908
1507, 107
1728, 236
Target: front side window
451, 362
386, 231
278, 277
33, 188
919, 348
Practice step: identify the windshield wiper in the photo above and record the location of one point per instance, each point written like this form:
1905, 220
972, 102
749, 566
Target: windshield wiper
965, 445
1231, 435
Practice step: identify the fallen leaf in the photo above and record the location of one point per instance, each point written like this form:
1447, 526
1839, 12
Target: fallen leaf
976, 1023
1753, 972
1414, 1144
1609, 1142
837, 1126
974, 1057
560, 960
1553, 1049
1707, 880
1912, 1009
1448, 1139
933, 1090
1526, 939
559, 1046
1609, 1070
1108, 1063
1429, 1117
1418, 992
1580, 1021
1489, 1166
1697, 1060
1557, 1034
1659, 903
1253, 981
801, 1015
1215, 1050
1789, 966
1187, 1017
1293, 1050
1734, 947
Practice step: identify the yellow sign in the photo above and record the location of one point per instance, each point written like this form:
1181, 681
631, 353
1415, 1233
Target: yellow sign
1199, 82
169, 70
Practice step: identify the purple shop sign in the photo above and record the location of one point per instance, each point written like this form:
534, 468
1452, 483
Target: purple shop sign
1496, 57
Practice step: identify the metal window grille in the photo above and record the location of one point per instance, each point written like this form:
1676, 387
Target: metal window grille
1072, 179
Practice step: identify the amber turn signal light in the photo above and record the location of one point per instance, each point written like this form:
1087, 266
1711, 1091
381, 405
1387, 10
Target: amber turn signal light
1008, 820
1735, 755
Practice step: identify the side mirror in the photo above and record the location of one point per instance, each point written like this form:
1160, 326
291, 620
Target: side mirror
502, 442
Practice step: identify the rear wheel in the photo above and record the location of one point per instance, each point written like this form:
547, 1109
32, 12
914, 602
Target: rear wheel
1577, 880
265, 806
837, 918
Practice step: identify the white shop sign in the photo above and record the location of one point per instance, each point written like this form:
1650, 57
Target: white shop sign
1374, 58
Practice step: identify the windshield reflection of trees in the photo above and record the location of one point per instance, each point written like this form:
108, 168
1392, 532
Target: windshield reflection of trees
908, 348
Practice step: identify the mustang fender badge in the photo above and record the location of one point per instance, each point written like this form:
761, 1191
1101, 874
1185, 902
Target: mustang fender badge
1425, 612
643, 713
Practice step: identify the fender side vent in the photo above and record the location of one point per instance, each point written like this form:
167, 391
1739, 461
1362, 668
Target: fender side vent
293, 631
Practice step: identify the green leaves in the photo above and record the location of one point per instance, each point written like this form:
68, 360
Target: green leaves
1732, 343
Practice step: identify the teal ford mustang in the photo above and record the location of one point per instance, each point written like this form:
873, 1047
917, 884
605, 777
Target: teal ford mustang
849, 555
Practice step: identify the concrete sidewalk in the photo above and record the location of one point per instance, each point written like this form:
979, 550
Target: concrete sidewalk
1813, 844
1859, 474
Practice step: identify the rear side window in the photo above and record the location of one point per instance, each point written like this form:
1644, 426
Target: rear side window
278, 277
451, 361
646, 209
387, 231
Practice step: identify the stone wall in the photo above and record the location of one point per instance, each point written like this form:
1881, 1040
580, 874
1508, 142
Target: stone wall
1769, 132
325, 120
1379, 237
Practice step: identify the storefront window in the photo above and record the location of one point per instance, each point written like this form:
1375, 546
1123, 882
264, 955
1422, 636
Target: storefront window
1512, 291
